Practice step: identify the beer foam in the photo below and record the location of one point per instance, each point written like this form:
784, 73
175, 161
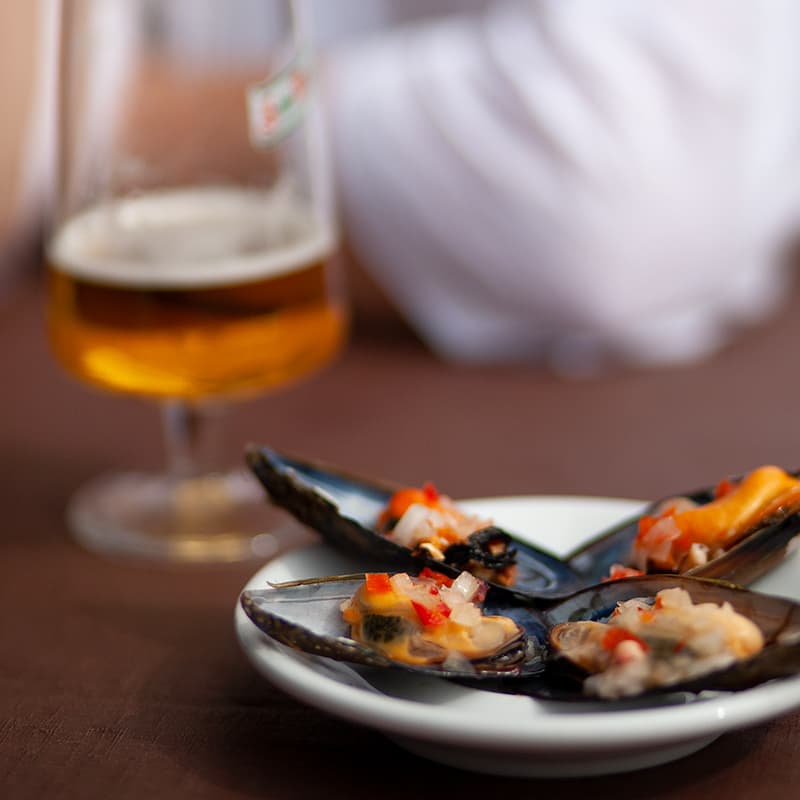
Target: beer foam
192, 238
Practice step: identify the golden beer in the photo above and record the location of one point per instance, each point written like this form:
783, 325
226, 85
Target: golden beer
194, 293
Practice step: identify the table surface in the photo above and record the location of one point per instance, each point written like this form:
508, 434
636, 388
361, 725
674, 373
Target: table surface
123, 680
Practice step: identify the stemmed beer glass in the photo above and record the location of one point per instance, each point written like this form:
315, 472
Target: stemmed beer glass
192, 257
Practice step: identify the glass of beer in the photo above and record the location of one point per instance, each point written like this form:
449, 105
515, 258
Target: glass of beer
191, 260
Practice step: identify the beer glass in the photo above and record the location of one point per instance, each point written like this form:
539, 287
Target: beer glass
192, 255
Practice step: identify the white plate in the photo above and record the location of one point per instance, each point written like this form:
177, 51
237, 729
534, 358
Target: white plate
510, 734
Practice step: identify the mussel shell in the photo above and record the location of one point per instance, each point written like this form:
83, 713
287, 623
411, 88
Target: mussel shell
306, 615
777, 617
755, 554
344, 509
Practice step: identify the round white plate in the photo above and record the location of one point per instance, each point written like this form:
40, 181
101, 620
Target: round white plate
511, 734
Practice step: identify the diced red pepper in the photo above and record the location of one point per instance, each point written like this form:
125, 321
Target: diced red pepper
431, 616
403, 498
618, 571
645, 523
682, 544
438, 578
615, 635
431, 492
724, 487
378, 582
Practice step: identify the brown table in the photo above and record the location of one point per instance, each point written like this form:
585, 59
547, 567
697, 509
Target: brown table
126, 681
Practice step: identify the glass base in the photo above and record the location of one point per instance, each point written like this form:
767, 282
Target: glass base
216, 518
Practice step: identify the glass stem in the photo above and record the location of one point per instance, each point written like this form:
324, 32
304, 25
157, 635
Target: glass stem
192, 435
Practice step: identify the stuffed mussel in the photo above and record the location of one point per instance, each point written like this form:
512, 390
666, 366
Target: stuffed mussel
382, 521
734, 531
430, 623
660, 633
620, 639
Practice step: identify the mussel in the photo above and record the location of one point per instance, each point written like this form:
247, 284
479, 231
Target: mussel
761, 543
346, 509
777, 619
307, 615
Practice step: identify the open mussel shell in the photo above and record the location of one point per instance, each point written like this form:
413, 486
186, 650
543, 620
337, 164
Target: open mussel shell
777, 617
757, 552
344, 509
306, 615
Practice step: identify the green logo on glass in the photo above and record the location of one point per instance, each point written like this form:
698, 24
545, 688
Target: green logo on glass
276, 106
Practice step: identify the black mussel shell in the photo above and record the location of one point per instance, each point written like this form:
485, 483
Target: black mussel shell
777, 617
344, 509
306, 615
753, 556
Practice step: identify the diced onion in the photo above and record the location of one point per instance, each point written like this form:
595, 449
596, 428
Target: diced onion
656, 544
466, 614
467, 585
407, 530
697, 556
401, 583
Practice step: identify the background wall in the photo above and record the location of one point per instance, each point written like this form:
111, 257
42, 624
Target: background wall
18, 24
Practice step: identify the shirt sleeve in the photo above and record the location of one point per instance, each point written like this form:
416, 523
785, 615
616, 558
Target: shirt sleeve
568, 179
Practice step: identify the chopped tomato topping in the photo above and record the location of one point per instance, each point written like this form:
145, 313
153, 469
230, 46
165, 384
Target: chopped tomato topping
645, 523
378, 582
431, 616
618, 571
616, 635
682, 544
724, 487
431, 493
403, 498
439, 578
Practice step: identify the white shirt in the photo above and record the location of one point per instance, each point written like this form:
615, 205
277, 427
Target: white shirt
570, 179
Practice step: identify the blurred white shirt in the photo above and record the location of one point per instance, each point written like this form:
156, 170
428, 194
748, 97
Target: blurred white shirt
572, 179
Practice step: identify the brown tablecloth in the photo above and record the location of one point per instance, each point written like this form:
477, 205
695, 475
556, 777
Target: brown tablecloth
126, 681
